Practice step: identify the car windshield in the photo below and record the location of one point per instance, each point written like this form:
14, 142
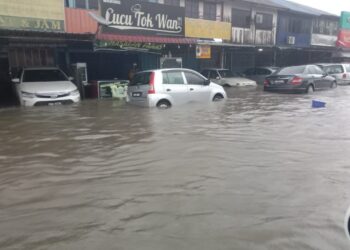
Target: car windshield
291, 70
45, 75
227, 73
141, 79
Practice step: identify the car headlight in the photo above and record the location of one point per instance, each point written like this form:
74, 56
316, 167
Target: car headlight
75, 93
27, 94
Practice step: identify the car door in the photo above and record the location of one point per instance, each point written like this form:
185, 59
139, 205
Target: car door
325, 80
175, 87
316, 77
198, 91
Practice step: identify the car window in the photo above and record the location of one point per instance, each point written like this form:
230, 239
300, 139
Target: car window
52, 75
141, 79
214, 74
334, 69
318, 70
194, 79
260, 71
249, 72
173, 77
291, 70
227, 73
347, 67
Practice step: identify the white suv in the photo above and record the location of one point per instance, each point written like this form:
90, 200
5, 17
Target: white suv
164, 88
341, 72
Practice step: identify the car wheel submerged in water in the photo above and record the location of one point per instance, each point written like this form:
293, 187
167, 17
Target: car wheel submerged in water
218, 97
163, 104
310, 89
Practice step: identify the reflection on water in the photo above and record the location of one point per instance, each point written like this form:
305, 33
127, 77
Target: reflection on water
259, 171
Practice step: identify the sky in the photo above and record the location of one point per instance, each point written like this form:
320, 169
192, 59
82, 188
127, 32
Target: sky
331, 6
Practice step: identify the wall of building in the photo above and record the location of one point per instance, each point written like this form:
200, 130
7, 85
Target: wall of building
47, 15
251, 34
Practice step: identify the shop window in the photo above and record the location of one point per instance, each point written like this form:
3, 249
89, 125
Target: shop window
298, 25
325, 27
209, 11
82, 4
172, 2
192, 8
241, 18
264, 21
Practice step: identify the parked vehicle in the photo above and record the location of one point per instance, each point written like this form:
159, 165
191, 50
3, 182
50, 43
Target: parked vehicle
45, 86
341, 72
299, 79
226, 78
259, 74
164, 88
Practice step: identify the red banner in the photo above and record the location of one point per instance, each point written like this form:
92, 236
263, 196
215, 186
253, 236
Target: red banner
344, 39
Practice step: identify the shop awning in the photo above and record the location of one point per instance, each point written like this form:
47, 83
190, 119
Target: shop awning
146, 39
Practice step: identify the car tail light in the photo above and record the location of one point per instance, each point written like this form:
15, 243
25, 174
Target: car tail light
151, 84
266, 82
296, 80
345, 76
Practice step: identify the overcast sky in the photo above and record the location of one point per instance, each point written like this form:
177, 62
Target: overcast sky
331, 6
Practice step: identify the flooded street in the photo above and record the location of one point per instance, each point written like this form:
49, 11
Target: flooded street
259, 171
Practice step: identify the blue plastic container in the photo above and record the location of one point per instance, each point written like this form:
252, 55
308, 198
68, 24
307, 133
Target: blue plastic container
318, 104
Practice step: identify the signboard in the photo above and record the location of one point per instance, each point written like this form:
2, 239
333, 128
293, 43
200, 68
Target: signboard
134, 46
42, 15
140, 18
203, 52
345, 20
344, 39
199, 28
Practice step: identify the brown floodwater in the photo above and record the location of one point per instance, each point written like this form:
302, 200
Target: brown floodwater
259, 171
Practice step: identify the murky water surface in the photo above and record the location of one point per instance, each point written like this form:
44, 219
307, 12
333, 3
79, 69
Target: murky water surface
260, 171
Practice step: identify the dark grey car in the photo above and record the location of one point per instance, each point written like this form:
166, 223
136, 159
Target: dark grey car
299, 79
259, 74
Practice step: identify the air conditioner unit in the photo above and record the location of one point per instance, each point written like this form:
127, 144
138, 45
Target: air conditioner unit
291, 40
259, 18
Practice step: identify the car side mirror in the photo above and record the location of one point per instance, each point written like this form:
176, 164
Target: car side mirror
71, 78
16, 80
207, 82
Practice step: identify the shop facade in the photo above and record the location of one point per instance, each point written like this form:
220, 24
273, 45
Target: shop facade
31, 35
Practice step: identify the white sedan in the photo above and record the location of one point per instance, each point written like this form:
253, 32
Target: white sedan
45, 86
226, 78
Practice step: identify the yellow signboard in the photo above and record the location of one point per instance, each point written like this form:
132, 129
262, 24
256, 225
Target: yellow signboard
32, 14
203, 52
199, 28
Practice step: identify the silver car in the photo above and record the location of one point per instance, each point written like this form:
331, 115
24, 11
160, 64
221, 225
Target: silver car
226, 78
164, 88
341, 72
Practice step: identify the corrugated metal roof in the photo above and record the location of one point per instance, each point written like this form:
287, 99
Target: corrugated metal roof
291, 6
78, 21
